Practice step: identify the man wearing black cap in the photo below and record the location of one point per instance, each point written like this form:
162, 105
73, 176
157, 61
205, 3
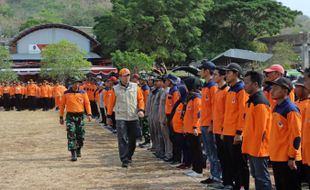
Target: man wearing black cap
75, 101
236, 168
208, 91
172, 97
303, 96
306, 132
285, 137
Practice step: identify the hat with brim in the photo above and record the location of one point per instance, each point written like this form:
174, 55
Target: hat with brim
275, 68
233, 67
207, 65
172, 78
300, 82
283, 82
76, 80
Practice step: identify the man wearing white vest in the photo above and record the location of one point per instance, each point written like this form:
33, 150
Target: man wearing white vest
127, 102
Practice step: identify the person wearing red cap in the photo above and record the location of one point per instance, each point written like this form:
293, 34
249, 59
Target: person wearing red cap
135, 78
127, 102
272, 73
107, 94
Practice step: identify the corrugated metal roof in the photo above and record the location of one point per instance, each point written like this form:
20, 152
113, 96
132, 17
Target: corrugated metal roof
242, 56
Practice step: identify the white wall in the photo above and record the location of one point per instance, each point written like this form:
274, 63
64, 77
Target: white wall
52, 35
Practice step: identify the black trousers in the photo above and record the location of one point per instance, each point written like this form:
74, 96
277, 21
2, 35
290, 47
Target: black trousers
45, 103
113, 121
285, 178
126, 133
104, 118
236, 170
94, 108
196, 152
32, 103
12, 102
306, 173
220, 151
52, 103
6, 102
18, 102
178, 142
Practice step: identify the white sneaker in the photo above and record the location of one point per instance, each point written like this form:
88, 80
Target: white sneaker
194, 174
188, 171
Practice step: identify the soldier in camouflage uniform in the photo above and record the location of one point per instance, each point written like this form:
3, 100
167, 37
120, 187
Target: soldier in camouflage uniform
144, 121
74, 101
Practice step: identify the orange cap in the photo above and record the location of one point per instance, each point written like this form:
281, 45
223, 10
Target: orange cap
124, 71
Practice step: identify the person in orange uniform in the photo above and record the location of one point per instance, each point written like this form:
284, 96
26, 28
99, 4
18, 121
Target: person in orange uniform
285, 137
303, 97
208, 91
305, 136
218, 114
19, 91
235, 162
172, 96
12, 95
191, 122
6, 96
50, 96
178, 140
272, 73
107, 95
127, 100
44, 89
24, 99
91, 89
256, 133
1, 94
75, 101
58, 92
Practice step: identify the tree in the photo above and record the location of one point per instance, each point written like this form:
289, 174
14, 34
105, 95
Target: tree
44, 17
63, 60
6, 73
134, 61
284, 55
236, 23
166, 29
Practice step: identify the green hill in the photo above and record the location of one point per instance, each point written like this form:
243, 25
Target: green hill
16, 15
302, 25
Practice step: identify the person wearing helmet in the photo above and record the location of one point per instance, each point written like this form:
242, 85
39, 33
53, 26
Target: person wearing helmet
127, 102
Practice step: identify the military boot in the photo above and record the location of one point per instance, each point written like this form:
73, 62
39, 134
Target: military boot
73, 155
78, 152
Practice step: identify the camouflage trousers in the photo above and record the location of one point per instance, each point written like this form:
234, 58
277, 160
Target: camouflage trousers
145, 129
75, 130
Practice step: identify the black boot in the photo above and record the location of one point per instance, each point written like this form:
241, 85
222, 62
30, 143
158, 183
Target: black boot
73, 155
78, 152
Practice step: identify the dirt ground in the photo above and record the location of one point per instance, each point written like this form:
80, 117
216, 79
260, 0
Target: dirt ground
33, 155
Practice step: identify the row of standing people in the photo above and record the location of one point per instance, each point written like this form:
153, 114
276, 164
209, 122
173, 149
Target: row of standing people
30, 96
241, 123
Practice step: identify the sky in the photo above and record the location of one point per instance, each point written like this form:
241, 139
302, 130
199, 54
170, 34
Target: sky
300, 5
